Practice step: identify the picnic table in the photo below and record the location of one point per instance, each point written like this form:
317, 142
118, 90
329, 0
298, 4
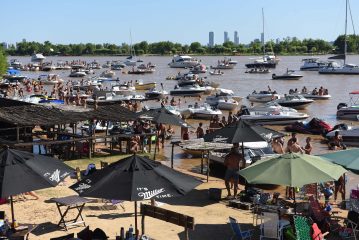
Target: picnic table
65, 204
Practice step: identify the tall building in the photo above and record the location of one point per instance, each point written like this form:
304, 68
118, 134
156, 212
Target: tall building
226, 38
211, 39
236, 38
4, 45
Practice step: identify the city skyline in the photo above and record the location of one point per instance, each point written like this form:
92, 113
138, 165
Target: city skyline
159, 21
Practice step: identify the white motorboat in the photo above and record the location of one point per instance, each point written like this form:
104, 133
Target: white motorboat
312, 64
48, 66
216, 73
140, 85
112, 98
271, 107
108, 74
288, 75
77, 73
49, 79
200, 68
263, 96
13, 75
94, 65
350, 137
15, 64
100, 126
294, 101
130, 62
188, 90
183, 61
89, 84
116, 65
222, 102
156, 94
272, 117
37, 57
313, 96
223, 66
349, 111
345, 68
204, 111
258, 70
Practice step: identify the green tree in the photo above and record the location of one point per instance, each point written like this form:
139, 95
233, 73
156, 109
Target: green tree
3, 62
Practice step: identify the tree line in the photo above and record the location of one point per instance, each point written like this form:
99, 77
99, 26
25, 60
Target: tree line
287, 46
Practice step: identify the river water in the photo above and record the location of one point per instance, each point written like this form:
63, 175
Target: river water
240, 82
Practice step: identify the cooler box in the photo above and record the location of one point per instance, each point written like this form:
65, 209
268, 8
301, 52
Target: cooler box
215, 194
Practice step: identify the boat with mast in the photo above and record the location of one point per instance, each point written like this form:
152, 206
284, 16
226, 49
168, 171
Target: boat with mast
334, 67
131, 60
268, 60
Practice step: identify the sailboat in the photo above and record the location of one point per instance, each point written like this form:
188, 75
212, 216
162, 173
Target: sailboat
334, 67
131, 60
268, 60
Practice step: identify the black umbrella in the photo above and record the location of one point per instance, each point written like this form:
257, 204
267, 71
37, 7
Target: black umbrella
162, 115
22, 172
136, 178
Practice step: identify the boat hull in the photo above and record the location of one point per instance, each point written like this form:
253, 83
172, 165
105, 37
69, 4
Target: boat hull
261, 65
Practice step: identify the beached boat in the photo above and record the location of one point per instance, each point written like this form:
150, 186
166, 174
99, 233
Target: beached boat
263, 96
183, 61
349, 111
350, 137
140, 85
296, 101
288, 75
222, 102
204, 111
49, 79
111, 98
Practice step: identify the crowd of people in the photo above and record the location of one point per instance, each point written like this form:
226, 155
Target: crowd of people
320, 92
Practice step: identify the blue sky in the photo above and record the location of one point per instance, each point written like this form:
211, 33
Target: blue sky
184, 21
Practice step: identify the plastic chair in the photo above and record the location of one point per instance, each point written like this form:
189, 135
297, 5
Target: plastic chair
271, 226
237, 232
322, 217
302, 228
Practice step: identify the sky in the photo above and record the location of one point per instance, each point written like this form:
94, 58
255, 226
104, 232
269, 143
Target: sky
183, 21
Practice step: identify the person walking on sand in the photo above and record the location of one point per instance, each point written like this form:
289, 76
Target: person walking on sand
232, 162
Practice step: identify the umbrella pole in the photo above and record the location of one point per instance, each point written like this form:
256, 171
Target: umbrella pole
207, 166
202, 162
295, 203
154, 155
172, 152
135, 216
12, 212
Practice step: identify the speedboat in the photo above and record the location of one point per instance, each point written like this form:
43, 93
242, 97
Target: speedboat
100, 126
350, 136
272, 106
116, 65
335, 68
13, 75
15, 64
312, 64
189, 90
130, 61
94, 65
294, 101
200, 68
267, 61
223, 65
263, 96
204, 111
108, 74
288, 75
258, 70
222, 102
49, 79
272, 117
216, 73
48, 66
111, 98
140, 85
37, 57
183, 61
77, 73
313, 96
351, 111
155, 94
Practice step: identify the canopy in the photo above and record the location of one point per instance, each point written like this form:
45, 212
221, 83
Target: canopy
293, 170
162, 115
346, 158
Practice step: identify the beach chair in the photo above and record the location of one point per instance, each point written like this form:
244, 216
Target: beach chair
350, 227
237, 232
271, 226
302, 228
322, 217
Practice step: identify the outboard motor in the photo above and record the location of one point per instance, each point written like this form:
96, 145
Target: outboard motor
340, 105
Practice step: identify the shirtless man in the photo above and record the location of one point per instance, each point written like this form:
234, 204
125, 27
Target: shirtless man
308, 147
277, 146
295, 148
232, 163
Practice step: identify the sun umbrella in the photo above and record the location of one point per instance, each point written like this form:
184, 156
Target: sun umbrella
292, 170
346, 158
136, 178
23, 172
162, 115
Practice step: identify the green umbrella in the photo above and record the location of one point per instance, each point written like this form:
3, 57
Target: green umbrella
346, 158
293, 170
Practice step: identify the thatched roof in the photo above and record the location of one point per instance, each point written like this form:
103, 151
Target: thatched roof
31, 115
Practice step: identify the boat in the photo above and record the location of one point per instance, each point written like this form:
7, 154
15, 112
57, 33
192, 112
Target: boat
200, 68
263, 96
288, 75
116, 65
216, 73
189, 90
204, 111
223, 66
155, 94
271, 107
312, 64
15, 64
258, 70
77, 73
108, 74
294, 101
100, 126
183, 61
349, 111
112, 98
37, 57
94, 65
313, 96
350, 136
345, 68
130, 61
140, 85
13, 75
48, 66
222, 102
49, 79
277, 117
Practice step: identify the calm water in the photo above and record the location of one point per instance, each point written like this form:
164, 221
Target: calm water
237, 80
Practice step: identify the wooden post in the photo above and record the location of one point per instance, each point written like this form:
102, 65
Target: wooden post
143, 223
136, 229
12, 212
